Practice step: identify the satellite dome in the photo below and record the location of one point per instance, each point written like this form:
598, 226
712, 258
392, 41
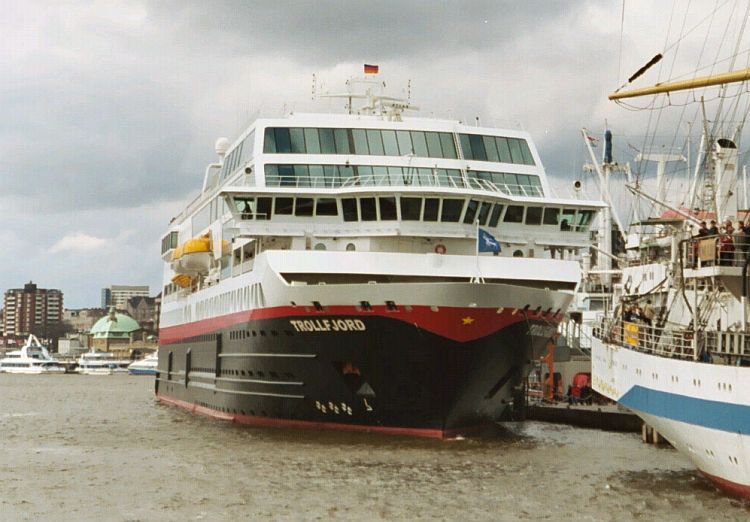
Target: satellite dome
222, 146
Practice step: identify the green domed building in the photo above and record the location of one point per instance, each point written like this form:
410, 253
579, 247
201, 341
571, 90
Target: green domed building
114, 332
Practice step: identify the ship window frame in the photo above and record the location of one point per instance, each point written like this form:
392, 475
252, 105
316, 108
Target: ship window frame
472, 207
327, 140
276, 201
297, 140
326, 207
570, 226
496, 214
419, 143
448, 215
434, 149
269, 141
405, 149
390, 142
350, 214
427, 207
533, 215
304, 207
503, 149
367, 213
484, 212
554, 213
512, 216
490, 148
375, 142
448, 145
359, 137
341, 136
317, 175
515, 150
283, 140
391, 210
408, 214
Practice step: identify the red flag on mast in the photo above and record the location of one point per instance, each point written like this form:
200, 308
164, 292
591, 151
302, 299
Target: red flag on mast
371, 69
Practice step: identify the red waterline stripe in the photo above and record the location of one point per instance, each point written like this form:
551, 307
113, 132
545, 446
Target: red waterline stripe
737, 490
456, 323
289, 423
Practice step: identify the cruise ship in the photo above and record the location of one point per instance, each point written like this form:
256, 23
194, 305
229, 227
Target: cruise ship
329, 273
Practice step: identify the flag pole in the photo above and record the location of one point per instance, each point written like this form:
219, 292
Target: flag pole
476, 250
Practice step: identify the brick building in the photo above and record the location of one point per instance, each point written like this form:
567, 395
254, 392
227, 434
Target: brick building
32, 310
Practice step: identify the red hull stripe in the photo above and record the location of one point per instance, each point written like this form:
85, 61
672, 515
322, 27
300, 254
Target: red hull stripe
455, 323
734, 489
290, 423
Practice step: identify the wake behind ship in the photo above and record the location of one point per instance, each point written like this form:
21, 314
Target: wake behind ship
329, 273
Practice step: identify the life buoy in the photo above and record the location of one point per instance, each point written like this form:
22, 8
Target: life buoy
440, 249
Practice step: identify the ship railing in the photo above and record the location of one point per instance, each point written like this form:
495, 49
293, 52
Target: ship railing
664, 341
719, 250
731, 344
411, 180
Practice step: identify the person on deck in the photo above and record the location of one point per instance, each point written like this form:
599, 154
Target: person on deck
726, 245
713, 230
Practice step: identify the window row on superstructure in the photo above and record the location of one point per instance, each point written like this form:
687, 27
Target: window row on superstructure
412, 208
386, 142
332, 176
239, 155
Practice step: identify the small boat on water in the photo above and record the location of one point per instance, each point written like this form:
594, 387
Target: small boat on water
32, 358
145, 366
101, 363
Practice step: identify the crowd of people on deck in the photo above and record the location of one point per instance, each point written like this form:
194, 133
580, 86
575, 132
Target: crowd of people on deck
732, 242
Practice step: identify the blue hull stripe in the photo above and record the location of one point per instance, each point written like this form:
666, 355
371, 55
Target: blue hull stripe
733, 418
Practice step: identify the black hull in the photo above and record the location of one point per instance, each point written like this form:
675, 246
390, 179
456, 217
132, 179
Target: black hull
382, 374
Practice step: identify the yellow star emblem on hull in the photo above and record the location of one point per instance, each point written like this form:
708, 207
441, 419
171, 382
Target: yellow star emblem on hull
467, 320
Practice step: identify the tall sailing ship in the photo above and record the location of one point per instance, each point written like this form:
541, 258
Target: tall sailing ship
686, 369
330, 274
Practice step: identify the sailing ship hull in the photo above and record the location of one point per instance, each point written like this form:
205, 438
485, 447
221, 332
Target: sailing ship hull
702, 409
380, 370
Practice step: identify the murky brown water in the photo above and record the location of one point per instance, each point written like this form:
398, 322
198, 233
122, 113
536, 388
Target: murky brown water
101, 448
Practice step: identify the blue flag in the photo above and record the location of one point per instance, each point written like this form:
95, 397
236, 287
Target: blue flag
486, 242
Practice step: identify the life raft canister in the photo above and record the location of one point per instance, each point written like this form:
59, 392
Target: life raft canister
440, 249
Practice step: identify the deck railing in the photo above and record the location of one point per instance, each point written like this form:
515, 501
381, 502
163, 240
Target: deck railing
415, 180
721, 250
672, 341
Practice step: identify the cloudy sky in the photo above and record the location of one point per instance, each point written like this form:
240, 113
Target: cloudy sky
110, 110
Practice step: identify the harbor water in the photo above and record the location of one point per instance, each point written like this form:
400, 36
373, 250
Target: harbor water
102, 448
